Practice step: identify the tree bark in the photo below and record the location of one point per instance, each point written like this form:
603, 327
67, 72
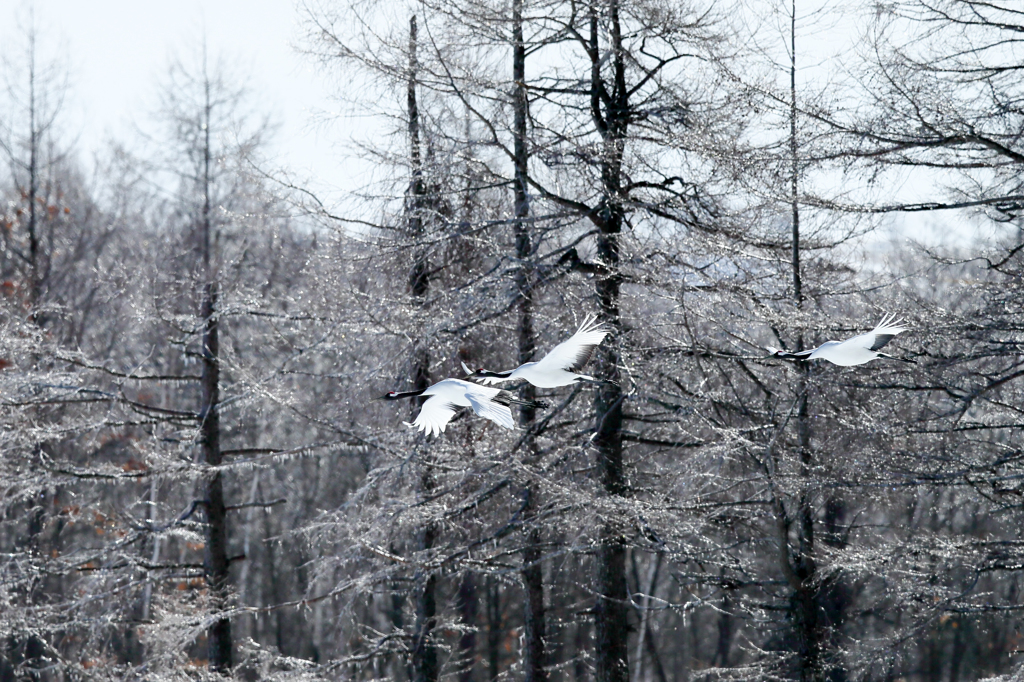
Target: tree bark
468, 604
219, 634
216, 554
804, 601
424, 650
33, 182
494, 628
534, 657
611, 628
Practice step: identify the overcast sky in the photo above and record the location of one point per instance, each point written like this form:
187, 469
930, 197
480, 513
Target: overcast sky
118, 53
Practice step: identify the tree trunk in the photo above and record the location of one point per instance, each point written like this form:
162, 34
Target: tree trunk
395, 615
495, 628
579, 641
534, 658
216, 554
723, 643
805, 607
647, 590
33, 183
424, 651
611, 628
219, 634
533, 620
468, 604
808, 594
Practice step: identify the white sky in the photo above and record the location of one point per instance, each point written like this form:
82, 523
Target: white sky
119, 52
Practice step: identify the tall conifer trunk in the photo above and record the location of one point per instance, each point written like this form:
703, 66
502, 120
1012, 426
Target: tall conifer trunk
468, 606
534, 628
216, 559
611, 628
807, 591
33, 181
495, 627
32, 650
424, 651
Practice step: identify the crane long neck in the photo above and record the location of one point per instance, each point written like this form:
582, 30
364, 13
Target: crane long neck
496, 375
404, 394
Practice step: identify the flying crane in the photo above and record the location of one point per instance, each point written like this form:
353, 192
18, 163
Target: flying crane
448, 395
560, 366
853, 351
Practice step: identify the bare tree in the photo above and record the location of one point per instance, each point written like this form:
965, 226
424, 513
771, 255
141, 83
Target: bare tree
29, 141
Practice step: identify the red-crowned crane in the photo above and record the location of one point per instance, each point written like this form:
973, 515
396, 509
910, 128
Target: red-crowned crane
559, 367
853, 351
448, 395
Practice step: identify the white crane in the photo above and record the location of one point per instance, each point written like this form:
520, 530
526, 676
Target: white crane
560, 366
853, 351
448, 395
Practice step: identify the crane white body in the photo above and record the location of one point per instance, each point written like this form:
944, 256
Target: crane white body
448, 395
560, 367
853, 351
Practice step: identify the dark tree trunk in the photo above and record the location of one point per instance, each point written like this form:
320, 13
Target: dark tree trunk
395, 606
33, 648
468, 604
652, 651
534, 626
580, 645
424, 650
524, 247
33, 184
724, 642
794, 151
806, 603
271, 566
219, 634
960, 640
216, 559
534, 658
611, 627
495, 628
30, 652
415, 198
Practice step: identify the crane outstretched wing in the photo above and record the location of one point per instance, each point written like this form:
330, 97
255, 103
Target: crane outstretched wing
576, 351
486, 407
880, 340
434, 416
884, 332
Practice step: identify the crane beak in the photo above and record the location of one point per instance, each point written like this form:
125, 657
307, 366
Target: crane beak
469, 372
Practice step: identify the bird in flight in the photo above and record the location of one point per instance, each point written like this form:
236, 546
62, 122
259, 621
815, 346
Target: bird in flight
448, 395
853, 351
560, 366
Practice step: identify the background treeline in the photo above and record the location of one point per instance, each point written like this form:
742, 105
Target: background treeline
196, 483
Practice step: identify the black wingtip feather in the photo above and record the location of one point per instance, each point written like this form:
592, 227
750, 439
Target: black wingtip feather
881, 340
582, 358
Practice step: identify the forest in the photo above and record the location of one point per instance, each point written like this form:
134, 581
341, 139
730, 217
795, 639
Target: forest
197, 483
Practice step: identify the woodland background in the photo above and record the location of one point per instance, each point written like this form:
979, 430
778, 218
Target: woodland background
196, 484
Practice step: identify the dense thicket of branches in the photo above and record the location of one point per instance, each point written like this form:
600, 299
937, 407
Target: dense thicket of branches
197, 483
